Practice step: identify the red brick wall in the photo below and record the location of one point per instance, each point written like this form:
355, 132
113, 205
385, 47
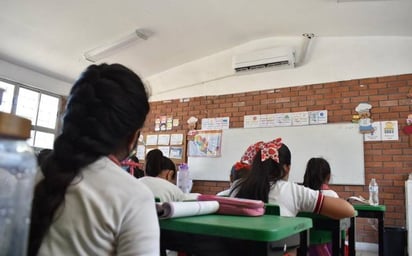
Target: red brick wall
389, 162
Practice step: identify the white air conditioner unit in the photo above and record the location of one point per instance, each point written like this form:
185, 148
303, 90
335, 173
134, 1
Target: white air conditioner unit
263, 59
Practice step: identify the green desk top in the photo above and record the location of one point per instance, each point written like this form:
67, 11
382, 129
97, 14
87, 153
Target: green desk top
265, 228
366, 207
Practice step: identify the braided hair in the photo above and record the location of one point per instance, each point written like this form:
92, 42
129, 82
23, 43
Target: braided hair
106, 107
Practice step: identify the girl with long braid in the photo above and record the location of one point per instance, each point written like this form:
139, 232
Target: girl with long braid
84, 203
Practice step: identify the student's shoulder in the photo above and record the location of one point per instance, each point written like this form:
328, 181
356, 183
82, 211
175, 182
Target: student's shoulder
330, 192
111, 177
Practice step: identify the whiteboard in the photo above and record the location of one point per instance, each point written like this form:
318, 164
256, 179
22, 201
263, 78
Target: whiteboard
340, 144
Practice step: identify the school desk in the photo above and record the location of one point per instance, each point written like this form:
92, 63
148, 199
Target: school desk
369, 211
234, 235
335, 227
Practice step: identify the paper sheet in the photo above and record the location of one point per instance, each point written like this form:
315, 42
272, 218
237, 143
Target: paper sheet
182, 209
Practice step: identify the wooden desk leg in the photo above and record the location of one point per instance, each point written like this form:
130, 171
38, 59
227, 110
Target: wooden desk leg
304, 241
352, 237
381, 230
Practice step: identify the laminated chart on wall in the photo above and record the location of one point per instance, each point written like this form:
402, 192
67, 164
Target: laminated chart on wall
204, 143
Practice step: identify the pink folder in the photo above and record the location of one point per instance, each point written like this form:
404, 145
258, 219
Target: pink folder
236, 206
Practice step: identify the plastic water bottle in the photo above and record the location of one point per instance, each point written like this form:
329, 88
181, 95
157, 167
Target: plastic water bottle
183, 178
18, 167
373, 192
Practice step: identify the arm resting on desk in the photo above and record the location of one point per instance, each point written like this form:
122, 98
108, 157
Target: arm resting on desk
336, 208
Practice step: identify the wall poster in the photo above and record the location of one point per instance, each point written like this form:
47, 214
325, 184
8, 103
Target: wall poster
205, 143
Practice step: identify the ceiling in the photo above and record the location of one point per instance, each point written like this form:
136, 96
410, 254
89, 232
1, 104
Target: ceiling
51, 36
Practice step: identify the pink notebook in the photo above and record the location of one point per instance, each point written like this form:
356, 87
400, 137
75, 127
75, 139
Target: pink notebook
236, 206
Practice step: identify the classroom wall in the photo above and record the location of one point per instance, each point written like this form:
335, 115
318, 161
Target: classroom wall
389, 162
328, 59
32, 78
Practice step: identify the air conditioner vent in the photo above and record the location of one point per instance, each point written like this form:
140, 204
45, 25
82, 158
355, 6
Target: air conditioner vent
268, 58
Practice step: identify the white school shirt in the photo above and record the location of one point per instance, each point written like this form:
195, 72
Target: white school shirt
329, 192
106, 212
293, 198
165, 190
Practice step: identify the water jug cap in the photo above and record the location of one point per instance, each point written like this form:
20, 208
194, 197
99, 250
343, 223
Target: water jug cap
14, 126
183, 166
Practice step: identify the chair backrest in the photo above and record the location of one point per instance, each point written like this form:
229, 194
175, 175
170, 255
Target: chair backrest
272, 209
317, 236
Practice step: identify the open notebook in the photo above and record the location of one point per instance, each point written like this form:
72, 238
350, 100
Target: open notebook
357, 200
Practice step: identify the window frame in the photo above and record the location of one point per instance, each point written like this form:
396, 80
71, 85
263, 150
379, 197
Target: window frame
34, 126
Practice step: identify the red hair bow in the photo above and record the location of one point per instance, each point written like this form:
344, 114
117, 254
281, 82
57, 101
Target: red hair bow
240, 165
270, 150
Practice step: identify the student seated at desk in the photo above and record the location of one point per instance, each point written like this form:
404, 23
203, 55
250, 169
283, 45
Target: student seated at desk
131, 165
160, 174
239, 169
268, 181
317, 176
84, 203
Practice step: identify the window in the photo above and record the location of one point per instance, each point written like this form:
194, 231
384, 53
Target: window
40, 107
7, 99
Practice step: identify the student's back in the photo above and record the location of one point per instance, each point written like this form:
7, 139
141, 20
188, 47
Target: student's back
317, 176
160, 173
267, 181
84, 203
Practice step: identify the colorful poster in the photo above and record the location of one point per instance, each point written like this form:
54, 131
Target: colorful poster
163, 120
376, 135
390, 130
205, 144
169, 123
157, 124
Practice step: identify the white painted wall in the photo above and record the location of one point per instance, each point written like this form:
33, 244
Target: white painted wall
32, 78
328, 59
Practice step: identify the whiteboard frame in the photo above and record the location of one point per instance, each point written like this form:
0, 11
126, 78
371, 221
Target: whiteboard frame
340, 144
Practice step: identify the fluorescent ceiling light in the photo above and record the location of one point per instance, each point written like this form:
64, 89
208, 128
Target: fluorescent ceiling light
113, 47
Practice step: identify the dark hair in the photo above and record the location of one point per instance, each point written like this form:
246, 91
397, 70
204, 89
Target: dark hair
238, 172
317, 173
156, 163
137, 172
42, 155
256, 185
106, 107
